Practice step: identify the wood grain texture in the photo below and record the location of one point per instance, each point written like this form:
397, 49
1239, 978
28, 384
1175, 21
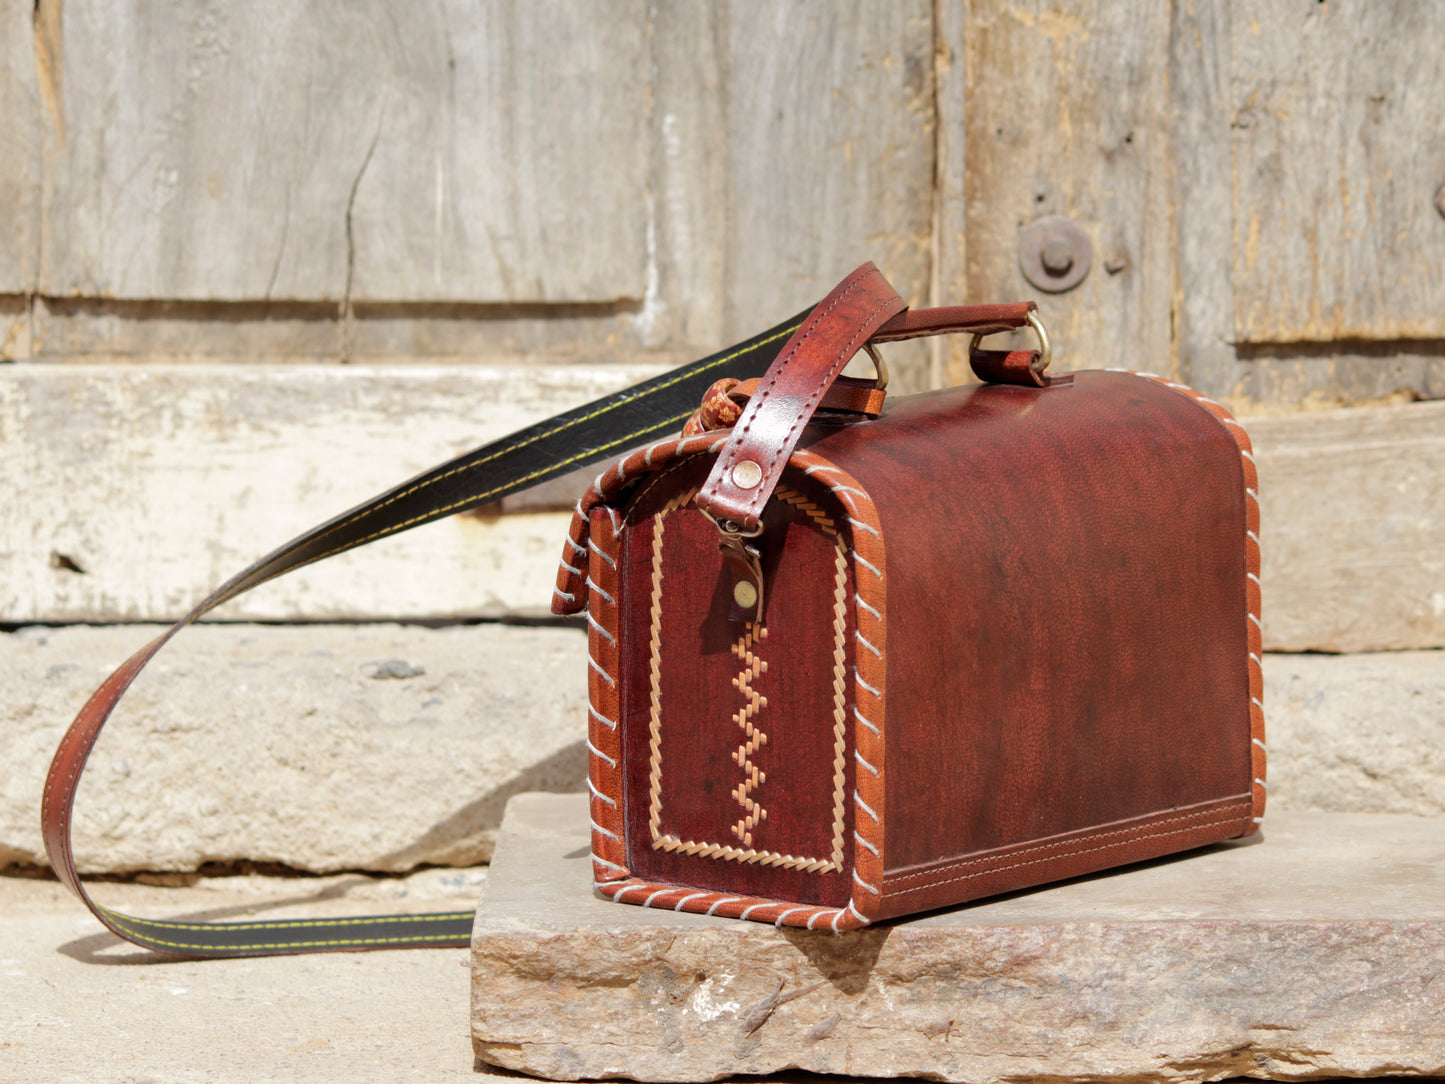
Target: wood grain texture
1202, 183
158, 482
1067, 113
950, 285
218, 152
20, 119
1352, 504
97, 329
796, 141
1338, 152
511, 153
1173, 76
1252, 377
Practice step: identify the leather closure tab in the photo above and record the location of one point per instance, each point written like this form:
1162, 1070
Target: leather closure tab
791, 391
745, 562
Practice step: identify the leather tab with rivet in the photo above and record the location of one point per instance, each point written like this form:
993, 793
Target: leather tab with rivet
749, 466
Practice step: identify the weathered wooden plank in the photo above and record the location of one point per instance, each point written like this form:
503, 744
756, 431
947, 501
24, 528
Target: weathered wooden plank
950, 219
1251, 377
167, 331
1353, 511
1202, 182
510, 156
794, 142
1067, 113
1315, 376
15, 325
20, 119
1338, 153
228, 153
158, 482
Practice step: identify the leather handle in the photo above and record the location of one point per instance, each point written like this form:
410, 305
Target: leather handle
750, 464
979, 319
862, 308
1022, 367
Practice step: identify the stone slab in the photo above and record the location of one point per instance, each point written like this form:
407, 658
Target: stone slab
1316, 951
321, 748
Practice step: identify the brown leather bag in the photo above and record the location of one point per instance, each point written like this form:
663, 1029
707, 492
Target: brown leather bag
848, 665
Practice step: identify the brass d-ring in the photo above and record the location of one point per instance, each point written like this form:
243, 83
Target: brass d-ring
879, 364
1046, 347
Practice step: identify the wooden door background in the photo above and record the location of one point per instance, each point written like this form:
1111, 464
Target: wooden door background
260, 261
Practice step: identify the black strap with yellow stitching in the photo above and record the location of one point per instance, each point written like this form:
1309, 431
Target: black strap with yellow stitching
590, 433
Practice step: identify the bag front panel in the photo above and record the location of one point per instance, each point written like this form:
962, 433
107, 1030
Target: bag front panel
738, 768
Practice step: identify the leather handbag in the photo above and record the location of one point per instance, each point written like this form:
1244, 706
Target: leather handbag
848, 665
848, 659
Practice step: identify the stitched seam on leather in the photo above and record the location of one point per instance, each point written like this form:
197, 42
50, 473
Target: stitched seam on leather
729, 906
788, 442
871, 601
765, 390
801, 417
608, 849
840, 697
1258, 771
605, 488
654, 718
888, 887
760, 397
1193, 821
477, 497
283, 924
753, 667
727, 852
870, 597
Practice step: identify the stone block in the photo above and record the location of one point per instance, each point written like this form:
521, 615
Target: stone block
1356, 733
1315, 951
378, 747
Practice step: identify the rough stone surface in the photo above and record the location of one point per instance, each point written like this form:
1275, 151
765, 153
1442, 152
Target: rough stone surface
311, 746
1356, 733
1317, 951
319, 747
78, 1006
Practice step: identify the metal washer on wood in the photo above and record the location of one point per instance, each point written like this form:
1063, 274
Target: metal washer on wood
1054, 254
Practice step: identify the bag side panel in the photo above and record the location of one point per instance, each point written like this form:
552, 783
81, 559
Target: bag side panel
1068, 663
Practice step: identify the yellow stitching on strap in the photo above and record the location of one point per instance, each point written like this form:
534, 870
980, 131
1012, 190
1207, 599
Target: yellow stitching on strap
280, 924
542, 436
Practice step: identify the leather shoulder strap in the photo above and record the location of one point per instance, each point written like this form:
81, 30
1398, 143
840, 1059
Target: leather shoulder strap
574, 439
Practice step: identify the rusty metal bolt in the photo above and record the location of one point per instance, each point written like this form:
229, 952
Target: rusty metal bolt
1057, 256
1054, 254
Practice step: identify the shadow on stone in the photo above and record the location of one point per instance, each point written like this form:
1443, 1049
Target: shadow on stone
845, 961
564, 772
88, 949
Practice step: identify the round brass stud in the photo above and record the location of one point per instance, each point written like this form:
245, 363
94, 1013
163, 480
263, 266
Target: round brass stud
745, 594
